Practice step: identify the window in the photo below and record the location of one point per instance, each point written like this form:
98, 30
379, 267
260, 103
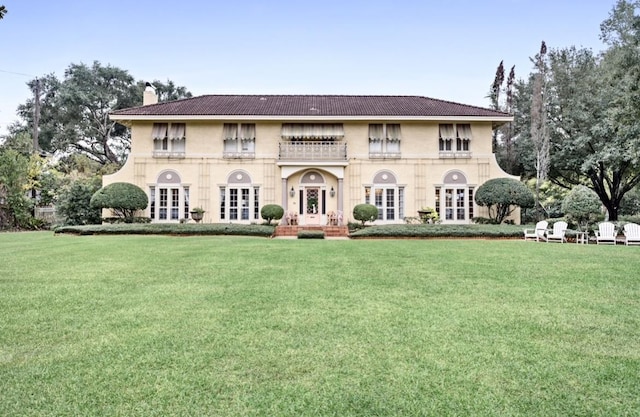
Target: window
169, 140
168, 198
387, 196
454, 140
384, 140
454, 199
239, 140
239, 199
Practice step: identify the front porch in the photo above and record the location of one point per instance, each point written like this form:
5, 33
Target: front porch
329, 231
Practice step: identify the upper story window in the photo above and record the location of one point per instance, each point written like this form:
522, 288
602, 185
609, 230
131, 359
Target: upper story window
239, 140
169, 140
455, 140
384, 140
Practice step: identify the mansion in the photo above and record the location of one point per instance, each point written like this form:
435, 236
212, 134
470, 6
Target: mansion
315, 155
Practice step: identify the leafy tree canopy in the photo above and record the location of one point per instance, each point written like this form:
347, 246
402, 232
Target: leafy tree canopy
592, 110
74, 111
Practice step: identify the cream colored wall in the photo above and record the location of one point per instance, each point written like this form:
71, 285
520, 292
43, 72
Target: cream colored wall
420, 170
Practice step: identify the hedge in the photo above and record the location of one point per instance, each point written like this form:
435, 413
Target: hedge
170, 229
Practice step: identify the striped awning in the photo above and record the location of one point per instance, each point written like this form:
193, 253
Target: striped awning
312, 131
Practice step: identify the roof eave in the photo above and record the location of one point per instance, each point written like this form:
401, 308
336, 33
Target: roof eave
127, 120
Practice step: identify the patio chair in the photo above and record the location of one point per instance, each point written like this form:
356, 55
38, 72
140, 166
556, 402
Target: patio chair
558, 232
631, 234
606, 233
292, 218
537, 233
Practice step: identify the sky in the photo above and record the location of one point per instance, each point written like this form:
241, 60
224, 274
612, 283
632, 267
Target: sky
445, 49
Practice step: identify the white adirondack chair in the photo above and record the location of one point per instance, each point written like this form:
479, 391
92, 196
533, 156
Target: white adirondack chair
538, 233
606, 233
631, 234
558, 232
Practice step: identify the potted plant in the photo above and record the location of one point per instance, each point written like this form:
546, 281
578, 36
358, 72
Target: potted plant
428, 215
197, 213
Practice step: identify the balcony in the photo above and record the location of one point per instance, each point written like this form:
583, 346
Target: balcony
312, 151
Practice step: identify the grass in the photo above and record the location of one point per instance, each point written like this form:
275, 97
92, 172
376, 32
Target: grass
241, 326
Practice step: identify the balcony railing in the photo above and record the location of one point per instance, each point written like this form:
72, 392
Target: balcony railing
168, 154
312, 151
239, 155
455, 154
385, 155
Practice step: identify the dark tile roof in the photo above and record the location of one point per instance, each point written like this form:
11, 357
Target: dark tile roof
310, 105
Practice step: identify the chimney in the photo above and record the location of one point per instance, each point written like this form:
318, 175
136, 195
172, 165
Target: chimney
149, 96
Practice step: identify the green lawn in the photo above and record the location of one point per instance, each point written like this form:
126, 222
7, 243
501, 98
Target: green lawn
242, 326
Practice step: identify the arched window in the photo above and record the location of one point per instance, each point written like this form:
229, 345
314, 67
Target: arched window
386, 195
239, 198
168, 198
454, 198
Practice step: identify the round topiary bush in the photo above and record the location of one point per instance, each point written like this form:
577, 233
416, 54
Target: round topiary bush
365, 213
122, 198
502, 195
271, 212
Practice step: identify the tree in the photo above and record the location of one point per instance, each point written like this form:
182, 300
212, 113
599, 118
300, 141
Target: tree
539, 130
14, 177
50, 114
502, 195
74, 112
165, 91
3, 11
271, 212
581, 206
74, 203
122, 198
597, 116
494, 96
593, 113
502, 144
365, 213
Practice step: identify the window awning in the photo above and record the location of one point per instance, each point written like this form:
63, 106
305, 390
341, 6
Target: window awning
464, 131
446, 131
312, 130
159, 131
375, 132
247, 131
230, 131
177, 131
393, 132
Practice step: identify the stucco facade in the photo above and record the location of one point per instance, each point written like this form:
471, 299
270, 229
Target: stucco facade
316, 156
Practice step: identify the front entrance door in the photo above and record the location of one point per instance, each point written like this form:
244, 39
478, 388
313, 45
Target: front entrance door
312, 204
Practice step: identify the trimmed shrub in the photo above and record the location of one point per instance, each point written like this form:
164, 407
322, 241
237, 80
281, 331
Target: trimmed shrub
271, 212
121, 197
365, 213
502, 196
310, 234
170, 229
582, 206
502, 231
